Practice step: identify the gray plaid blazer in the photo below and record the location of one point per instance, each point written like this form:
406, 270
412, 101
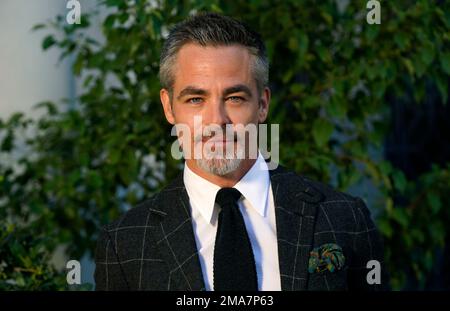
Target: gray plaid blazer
152, 246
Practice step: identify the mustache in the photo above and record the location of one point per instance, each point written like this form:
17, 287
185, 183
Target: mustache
210, 133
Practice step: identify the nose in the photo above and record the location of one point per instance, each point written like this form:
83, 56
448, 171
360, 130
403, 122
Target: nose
216, 113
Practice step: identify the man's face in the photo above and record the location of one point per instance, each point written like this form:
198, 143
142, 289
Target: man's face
217, 85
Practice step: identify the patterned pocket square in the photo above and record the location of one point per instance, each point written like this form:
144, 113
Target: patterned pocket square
326, 257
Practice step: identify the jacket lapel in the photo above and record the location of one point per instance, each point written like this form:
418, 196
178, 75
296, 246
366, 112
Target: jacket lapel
177, 241
295, 211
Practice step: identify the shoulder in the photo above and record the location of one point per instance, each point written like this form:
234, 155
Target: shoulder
330, 194
149, 209
329, 200
341, 212
134, 217
298, 182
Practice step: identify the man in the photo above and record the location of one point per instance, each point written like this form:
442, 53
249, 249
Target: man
228, 222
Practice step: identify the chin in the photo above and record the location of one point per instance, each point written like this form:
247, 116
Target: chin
219, 167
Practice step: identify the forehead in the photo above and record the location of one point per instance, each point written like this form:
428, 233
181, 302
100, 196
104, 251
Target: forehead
205, 66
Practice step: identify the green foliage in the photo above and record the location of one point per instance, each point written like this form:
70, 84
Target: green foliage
330, 74
24, 260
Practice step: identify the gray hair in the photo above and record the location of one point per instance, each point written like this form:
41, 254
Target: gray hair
212, 29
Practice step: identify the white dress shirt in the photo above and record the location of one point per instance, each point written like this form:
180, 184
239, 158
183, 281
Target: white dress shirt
257, 208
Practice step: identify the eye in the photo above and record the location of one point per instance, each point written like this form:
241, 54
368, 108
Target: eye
194, 100
236, 99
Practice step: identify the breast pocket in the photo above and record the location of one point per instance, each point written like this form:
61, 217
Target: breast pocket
328, 281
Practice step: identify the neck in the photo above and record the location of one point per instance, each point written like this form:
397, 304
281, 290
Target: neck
225, 181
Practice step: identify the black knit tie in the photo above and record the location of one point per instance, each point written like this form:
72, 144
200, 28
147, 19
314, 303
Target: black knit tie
234, 264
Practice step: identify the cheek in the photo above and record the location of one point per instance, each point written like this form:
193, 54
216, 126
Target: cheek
246, 115
190, 128
182, 115
185, 134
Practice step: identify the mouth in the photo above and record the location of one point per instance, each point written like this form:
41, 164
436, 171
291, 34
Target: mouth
220, 142
217, 141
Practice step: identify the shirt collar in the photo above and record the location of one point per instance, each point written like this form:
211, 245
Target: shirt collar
254, 186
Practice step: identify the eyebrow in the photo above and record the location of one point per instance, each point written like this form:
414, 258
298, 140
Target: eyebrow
238, 88
192, 90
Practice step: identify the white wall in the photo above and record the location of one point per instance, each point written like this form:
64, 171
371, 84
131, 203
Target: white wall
27, 74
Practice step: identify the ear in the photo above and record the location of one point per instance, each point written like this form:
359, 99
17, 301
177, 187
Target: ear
264, 102
165, 101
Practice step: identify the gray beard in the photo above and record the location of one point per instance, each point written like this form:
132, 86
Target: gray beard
223, 164
219, 167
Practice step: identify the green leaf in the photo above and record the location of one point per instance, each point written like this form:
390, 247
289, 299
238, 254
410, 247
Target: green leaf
117, 3
303, 46
324, 54
401, 40
399, 214
427, 54
418, 235
48, 42
419, 66
438, 233
322, 130
114, 156
372, 32
386, 167
293, 43
385, 228
94, 180
442, 85
38, 26
297, 89
327, 17
400, 181
109, 22
7, 143
434, 201
51, 107
445, 62
409, 66
337, 107
78, 65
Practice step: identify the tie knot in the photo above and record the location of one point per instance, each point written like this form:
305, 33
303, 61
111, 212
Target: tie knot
227, 196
